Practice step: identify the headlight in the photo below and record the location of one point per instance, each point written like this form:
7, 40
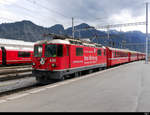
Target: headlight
53, 65
33, 64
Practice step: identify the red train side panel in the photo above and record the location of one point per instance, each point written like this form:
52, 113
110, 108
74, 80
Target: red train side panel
18, 57
89, 57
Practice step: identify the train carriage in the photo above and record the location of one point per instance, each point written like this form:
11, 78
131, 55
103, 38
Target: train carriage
141, 56
133, 56
15, 52
117, 56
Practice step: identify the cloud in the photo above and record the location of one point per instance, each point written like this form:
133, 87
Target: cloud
96, 8
7, 2
100, 11
94, 12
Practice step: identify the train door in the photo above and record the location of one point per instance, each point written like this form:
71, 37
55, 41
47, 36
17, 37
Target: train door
108, 57
3, 55
129, 57
68, 57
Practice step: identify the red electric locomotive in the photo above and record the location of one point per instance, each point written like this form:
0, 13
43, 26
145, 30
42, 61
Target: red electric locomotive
62, 57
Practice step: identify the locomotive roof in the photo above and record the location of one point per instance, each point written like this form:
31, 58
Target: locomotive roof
71, 41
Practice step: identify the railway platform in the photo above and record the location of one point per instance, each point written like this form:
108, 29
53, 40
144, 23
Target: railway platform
125, 88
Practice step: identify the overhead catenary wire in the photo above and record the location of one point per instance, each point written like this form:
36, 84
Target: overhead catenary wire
29, 14
51, 10
26, 17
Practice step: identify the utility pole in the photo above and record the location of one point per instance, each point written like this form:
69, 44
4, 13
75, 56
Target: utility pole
79, 35
147, 33
108, 35
73, 27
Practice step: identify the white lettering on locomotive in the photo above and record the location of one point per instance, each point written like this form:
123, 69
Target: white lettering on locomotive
52, 60
77, 62
90, 59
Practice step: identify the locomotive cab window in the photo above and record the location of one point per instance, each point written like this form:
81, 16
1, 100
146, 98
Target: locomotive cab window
38, 51
79, 51
99, 52
52, 50
24, 54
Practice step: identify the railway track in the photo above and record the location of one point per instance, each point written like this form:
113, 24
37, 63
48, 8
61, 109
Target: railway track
14, 72
20, 85
12, 67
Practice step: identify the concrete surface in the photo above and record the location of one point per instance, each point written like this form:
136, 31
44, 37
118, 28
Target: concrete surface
122, 89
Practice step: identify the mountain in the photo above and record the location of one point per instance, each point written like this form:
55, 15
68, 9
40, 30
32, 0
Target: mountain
28, 31
125, 40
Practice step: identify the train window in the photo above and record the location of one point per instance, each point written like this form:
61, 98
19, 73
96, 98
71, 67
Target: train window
104, 52
67, 51
60, 50
24, 54
115, 54
38, 51
99, 52
50, 50
79, 51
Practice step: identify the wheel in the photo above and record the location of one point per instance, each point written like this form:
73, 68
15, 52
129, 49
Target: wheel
80, 73
99, 69
77, 74
40, 80
104, 68
90, 71
62, 78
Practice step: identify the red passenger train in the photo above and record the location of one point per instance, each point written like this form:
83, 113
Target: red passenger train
15, 52
62, 57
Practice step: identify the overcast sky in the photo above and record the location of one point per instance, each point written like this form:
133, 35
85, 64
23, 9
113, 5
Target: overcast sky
94, 12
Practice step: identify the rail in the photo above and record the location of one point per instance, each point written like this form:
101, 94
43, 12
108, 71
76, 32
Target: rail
11, 73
